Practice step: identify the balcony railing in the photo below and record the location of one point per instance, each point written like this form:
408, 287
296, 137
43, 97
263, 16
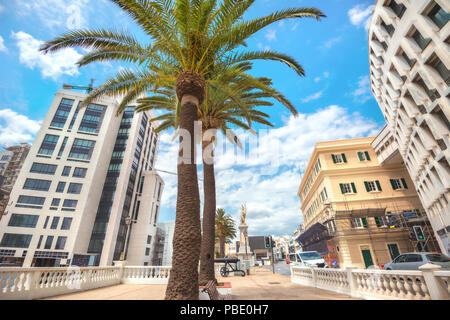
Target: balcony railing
428, 283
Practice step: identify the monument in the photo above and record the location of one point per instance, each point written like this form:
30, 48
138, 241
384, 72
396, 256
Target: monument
244, 248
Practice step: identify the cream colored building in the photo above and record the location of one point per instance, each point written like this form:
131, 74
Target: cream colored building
87, 193
349, 202
409, 71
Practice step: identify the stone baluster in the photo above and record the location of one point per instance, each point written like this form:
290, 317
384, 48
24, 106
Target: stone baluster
435, 289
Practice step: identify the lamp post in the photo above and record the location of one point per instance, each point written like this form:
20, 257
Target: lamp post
128, 222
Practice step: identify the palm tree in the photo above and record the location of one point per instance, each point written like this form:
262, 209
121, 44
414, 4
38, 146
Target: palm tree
187, 38
228, 102
225, 230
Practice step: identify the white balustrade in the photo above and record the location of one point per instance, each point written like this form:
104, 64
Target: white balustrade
424, 284
146, 275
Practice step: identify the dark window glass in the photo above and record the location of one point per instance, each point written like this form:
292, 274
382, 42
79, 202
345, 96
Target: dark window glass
63, 111
40, 242
48, 242
56, 202
46, 222
420, 40
63, 146
79, 172
67, 222
23, 221
82, 149
16, 240
43, 168
38, 201
70, 203
66, 171
389, 28
48, 145
36, 184
413, 258
55, 222
74, 188
410, 62
439, 16
74, 116
399, 9
437, 257
92, 119
60, 243
60, 187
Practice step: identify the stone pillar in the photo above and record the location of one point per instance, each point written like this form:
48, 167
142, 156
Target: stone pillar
435, 289
244, 248
122, 264
351, 280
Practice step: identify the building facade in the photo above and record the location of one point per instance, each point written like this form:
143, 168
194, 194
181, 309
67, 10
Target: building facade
167, 231
11, 162
351, 205
409, 70
81, 188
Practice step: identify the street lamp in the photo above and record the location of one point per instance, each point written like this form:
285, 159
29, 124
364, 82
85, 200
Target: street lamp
128, 222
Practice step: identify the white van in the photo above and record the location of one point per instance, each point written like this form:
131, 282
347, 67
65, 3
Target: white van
307, 259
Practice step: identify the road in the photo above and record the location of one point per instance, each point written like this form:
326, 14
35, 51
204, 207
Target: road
281, 268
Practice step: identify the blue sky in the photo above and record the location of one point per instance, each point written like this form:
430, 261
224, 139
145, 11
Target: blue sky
334, 99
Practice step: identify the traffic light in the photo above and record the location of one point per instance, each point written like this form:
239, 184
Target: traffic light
418, 232
267, 240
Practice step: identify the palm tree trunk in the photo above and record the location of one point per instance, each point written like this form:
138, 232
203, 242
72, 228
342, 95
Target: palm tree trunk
209, 217
222, 246
183, 280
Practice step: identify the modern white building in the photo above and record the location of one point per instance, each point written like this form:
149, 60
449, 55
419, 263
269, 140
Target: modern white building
167, 229
409, 45
82, 195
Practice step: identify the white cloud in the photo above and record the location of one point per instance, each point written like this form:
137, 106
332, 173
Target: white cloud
360, 15
294, 27
326, 74
56, 13
363, 92
271, 34
331, 42
16, 128
2, 45
51, 65
270, 193
2, 8
312, 97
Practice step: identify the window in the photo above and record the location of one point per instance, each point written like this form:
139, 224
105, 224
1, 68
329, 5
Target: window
63, 111
432, 94
60, 187
43, 168
55, 222
400, 259
149, 239
339, 158
74, 188
381, 221
38, 185
67, 222
74, 116
5, 158
48, 242
439, 16
420, 40
147, 251
60, 243
413, 258
63, 146
372, 186
399, 9
66, 171
29, 200
410, 62
79, 173
39, 242
48, 145
92, 119
363, 156
70, 203
437, 64
23, 221
82, 149
16, 240
389, 28
347, 188
398, 184
359, 223
46, 222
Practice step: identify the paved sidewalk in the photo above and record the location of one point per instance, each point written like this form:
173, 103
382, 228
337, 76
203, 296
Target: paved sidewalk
262, 284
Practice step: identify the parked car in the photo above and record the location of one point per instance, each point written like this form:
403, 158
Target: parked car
307, 259
413, 260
